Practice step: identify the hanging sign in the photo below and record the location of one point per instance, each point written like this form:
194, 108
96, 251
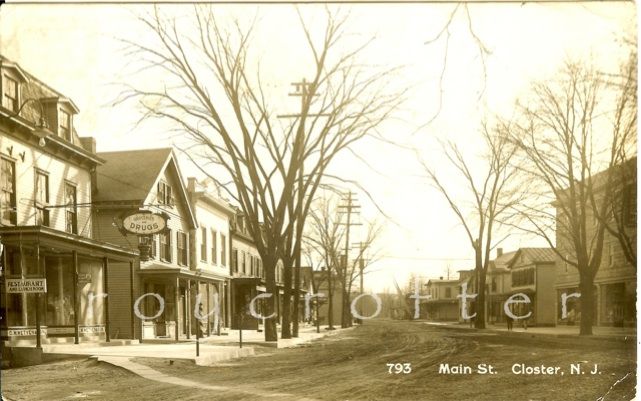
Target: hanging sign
144, 223
25, 285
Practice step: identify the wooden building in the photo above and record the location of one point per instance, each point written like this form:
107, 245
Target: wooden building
47, 174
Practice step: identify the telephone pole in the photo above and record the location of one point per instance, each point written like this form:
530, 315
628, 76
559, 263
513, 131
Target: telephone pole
305, 91
348, 207
361, 265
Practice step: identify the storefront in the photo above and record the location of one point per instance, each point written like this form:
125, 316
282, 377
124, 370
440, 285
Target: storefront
243, 290
74, 302
182, 294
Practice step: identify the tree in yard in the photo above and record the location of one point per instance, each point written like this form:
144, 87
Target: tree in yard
485, 200
572, 137
213, 96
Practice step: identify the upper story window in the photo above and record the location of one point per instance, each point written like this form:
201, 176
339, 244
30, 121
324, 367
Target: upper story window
42, 198
164, 194
203, 244
522, 277
7, 192
71, 212
223, 250
234, 260
214, 251
181, 245
10, 93
165, 246
65, 125
448, 292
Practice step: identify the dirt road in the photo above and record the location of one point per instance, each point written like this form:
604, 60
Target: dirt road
353, 366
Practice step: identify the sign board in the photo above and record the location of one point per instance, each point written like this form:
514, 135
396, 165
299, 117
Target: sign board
25, 285
144, 223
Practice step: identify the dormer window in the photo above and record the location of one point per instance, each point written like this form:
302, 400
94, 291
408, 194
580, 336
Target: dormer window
65, 125
10, 93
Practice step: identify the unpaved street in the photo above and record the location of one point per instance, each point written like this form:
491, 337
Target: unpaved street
353, 366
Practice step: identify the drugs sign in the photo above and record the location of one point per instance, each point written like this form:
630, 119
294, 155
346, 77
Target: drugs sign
144, 223
26, 285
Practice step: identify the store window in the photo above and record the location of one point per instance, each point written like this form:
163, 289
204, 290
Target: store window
59, 275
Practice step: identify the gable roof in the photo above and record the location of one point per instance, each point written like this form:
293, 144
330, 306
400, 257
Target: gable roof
502, 262
131, 175
535, 255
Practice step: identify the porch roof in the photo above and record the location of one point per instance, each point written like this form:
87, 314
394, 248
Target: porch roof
47, 237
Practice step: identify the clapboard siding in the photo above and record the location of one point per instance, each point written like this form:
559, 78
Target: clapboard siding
59, 172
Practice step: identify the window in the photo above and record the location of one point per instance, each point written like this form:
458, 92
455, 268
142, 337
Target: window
71, 212
164, 194
493, 284
10, 95
181, 245
214, 243
65, 125
154, 246
234, 261
223, 250
203, 244
8, 192
610, 254
448, 292
630, 205
42, 198
165, 246
241, 262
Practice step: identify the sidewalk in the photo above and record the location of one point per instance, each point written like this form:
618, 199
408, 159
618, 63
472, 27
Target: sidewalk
213, 349
614, 333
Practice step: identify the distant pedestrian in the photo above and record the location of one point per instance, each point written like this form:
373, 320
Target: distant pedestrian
510, 323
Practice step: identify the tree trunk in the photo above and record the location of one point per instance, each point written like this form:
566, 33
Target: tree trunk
286, 327
296, 294
346, 319
271, 334
330, 300
479, 323
586, 286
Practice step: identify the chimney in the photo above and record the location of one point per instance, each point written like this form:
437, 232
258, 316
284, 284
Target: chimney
191, 184
88, 143
499, 252
440, 278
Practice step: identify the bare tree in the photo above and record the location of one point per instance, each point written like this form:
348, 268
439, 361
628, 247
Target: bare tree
326, 234
491, 194
571, 139
271, 167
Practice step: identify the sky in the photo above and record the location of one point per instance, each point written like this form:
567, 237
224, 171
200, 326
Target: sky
74, 49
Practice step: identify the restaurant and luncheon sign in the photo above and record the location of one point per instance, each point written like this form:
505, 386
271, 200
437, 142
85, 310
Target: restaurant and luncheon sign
25, 285
144, 223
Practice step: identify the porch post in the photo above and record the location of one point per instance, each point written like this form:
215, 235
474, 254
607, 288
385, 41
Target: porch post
38, 299
105, 290
131, 297
177, 299
74, 257
188, 309
209, 309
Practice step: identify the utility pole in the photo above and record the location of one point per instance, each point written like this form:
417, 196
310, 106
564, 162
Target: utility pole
349, 207
361, 265
304, 90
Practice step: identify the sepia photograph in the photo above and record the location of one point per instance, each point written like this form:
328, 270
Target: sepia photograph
318, 200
